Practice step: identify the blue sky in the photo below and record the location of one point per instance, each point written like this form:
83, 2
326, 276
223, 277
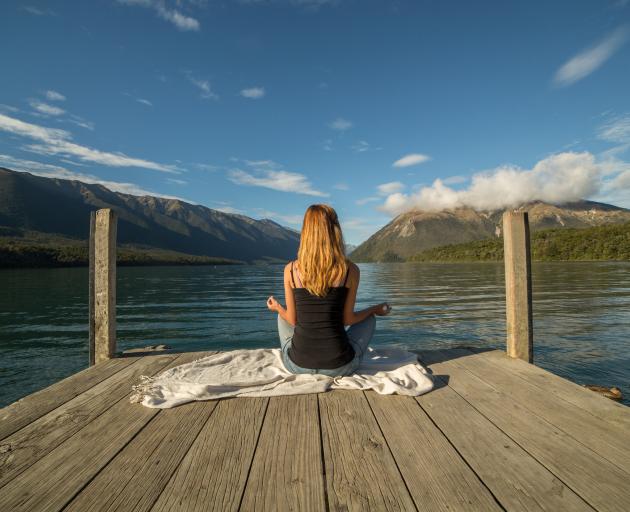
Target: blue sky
263, 107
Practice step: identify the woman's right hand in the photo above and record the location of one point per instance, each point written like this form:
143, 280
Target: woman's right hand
382, 309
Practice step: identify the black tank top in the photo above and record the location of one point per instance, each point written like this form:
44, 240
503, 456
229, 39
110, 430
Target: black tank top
320, 340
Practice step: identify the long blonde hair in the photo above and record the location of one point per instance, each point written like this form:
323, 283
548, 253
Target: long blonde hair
321, 256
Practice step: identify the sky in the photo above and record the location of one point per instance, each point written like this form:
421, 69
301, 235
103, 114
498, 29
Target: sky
376, 107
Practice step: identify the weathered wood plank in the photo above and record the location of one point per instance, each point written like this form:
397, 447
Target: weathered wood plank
51, 482
599, 482
34, 441
517, 480
436, 475
360, 471
212, 476
601, 407
287, 471
134, 479
609, 441
26, 410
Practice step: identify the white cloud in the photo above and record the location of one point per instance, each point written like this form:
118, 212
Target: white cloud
54, 171
340, 124
204, 86
390, 188
615, 130
144, 102
253, 93
557, 179
177, 18
38, 12
366, 200
53, 141
294, 220
454, 180
54, 96
270, 174
584, 63
411, 159
361, 146
46, 109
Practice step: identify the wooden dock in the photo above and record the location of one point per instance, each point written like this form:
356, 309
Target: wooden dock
496, 434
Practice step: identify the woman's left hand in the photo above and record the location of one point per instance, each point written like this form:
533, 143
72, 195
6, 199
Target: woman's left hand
273, 304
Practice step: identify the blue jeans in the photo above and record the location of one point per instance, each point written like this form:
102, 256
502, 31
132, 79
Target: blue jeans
359, 336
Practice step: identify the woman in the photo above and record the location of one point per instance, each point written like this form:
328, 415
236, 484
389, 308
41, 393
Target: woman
320, 288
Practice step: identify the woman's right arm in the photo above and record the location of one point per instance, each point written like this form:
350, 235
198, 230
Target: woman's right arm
350, 316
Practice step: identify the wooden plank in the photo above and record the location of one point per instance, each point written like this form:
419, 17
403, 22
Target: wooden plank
26, 410
287, 472
134, 479
55, 479
360, 471
34, 441
609, 441
599, 482
517, 480
212, 476
436, 475
599, 406
518, 285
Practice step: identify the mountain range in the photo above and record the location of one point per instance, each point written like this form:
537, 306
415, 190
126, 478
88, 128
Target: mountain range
35, 204
416, 231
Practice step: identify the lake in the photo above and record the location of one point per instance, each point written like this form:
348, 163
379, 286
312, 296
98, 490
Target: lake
581, 314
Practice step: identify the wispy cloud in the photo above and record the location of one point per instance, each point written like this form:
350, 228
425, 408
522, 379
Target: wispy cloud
556, 179
341, 186
390, 188
616, 130
46, 109
584, 63
144, 102
361, 146
328, 145
53, 141
36, 11
269, 174
293, 220
253, 93
54, 96
340, 124
454, 180
203, 85
54, 171
366, 200
172, 15
411, 159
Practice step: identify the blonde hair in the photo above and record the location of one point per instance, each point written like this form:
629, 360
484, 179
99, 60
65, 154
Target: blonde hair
321, 256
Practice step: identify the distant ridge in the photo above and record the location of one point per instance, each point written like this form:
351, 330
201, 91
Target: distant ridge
413, 232
30, 203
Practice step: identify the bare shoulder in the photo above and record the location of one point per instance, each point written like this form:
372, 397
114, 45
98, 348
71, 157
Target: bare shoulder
353, 271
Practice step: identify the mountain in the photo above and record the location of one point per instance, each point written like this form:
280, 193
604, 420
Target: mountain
607, 242
35, 204
416, 231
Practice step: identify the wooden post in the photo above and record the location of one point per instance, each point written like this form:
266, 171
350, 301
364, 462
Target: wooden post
518, 285
91, 285
102, 285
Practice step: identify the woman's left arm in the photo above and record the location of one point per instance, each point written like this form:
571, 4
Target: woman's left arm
288, 314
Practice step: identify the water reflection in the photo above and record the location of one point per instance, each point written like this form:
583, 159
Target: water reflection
581, 314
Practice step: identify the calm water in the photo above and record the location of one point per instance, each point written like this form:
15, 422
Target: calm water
581, 314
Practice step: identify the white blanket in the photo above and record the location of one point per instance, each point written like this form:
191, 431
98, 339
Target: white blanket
260, 372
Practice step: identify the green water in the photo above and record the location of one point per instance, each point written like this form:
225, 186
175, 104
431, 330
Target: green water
581, 314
